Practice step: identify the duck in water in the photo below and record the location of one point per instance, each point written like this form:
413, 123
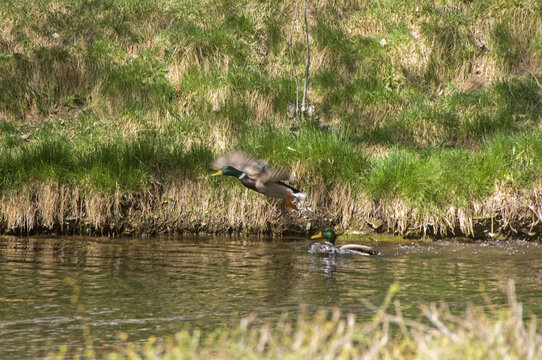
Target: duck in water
257, 176
328, 246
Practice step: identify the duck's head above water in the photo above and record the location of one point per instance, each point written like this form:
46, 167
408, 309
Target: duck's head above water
328, 234
228, 170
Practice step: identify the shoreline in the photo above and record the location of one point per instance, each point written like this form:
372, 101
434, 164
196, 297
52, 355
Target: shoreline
192, 206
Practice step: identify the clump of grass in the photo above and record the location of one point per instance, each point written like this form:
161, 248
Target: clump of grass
436, 179
479, 333
447, 29
336, 160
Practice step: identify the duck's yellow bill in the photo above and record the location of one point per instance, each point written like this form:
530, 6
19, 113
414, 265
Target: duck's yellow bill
217, 173
317, 236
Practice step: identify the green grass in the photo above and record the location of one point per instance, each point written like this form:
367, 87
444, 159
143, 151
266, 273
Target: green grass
432, 105
120, 163
455, 176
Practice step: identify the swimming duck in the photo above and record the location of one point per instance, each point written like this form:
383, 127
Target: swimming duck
328, 247
258, 176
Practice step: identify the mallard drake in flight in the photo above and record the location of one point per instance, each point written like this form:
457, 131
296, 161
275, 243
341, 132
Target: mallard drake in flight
328, 247
257, 176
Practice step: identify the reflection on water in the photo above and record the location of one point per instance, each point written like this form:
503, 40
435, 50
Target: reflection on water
52, 290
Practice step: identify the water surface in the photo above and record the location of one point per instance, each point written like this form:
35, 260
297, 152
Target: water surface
53, 291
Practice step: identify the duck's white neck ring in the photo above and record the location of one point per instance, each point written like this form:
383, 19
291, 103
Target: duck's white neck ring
242, 176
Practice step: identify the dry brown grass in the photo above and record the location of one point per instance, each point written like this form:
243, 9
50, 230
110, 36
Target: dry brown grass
195, 206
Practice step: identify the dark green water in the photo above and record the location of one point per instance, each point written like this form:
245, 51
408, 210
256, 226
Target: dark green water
52, 290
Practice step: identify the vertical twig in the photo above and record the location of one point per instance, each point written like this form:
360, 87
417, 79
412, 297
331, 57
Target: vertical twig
492, 215
308, 62
534, 77
294, 74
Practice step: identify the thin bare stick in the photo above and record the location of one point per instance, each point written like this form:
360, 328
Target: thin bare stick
534, 77
538, 84
308, 62
294, 74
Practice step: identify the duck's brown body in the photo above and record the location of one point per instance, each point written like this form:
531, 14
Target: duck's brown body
257, 176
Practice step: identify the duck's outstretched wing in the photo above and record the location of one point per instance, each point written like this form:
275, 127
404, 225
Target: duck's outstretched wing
249, 164
276, 174
252, 166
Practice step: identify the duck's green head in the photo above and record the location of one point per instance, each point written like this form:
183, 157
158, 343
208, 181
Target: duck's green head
228, 171
328, 234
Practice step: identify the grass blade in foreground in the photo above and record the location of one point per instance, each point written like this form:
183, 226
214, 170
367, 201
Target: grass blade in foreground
479, 333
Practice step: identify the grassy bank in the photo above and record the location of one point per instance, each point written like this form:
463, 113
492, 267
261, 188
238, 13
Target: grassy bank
427, 119
479, 333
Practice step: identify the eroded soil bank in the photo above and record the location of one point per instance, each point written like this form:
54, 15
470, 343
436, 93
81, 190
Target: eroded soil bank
191, 206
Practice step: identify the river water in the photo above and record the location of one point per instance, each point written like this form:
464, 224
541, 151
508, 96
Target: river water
67, 290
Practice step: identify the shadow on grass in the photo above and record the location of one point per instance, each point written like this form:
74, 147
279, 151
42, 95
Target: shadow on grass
460, 120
